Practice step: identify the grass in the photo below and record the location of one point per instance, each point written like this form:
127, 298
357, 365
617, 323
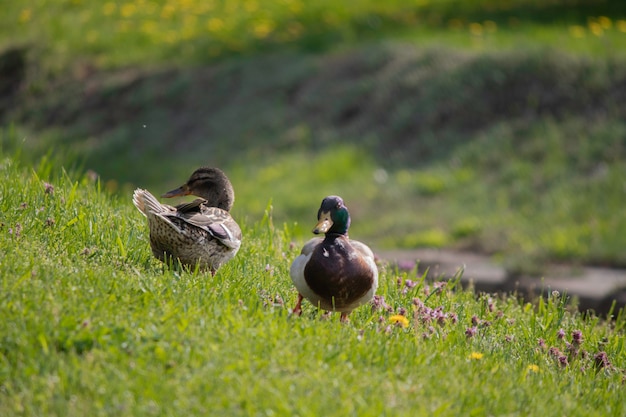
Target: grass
426, 98
201, 31
93, 325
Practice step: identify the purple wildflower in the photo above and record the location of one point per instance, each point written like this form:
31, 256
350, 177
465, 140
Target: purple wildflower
560, 334
410, 283
378, 303
563, 361
601, 360
48, 188
470, 332
577, 337
454, 318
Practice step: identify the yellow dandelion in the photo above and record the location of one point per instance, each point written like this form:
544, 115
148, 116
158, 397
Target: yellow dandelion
263, 28
533, 368
577, 31
251, 6
596, 28
214, 24
621, 25
149, 27
168, 11
476, 356
25, 15
605, 22
128, 9
399, 320
476, 29
109, 8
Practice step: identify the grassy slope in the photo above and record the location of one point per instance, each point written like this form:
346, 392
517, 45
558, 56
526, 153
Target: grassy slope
486, 145
92, 325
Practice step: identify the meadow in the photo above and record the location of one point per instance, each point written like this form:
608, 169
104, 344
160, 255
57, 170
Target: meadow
93, 325
468, 125
496, 127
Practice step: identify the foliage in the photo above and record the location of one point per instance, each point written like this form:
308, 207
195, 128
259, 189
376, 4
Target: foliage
93, 325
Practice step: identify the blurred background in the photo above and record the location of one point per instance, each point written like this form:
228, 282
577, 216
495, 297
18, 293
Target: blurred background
495, 127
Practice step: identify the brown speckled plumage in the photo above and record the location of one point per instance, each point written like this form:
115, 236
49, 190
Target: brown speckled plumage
200, 232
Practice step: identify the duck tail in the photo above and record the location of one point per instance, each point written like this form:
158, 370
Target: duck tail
146, 202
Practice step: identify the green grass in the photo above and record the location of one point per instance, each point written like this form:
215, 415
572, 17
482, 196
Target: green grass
93, 325
442, 124
90, 31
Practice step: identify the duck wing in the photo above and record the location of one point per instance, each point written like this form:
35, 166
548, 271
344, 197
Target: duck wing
215, 221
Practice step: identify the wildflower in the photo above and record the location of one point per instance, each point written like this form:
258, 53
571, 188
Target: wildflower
410, 283
48, 188
453, 318
563, 361
601, 360
541, 343
439, 286
577, 337
555, 352
418, 303
278, 301
560, 334
476, 356
378, 302
399, 320
508, 338
440, 316
555, 294
533, 368
475, 320
471, 332
402, 311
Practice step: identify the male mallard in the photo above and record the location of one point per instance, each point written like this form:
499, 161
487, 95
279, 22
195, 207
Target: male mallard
334, 273
200, 232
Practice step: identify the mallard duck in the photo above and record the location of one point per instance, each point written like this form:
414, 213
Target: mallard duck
334, 272
199, 232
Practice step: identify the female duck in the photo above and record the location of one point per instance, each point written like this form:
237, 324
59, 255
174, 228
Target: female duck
201, 232
334, 273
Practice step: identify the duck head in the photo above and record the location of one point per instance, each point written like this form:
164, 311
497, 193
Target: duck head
208, 183
332, 217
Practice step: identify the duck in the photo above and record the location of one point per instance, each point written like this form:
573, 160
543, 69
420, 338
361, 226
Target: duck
334, 273
201, 232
